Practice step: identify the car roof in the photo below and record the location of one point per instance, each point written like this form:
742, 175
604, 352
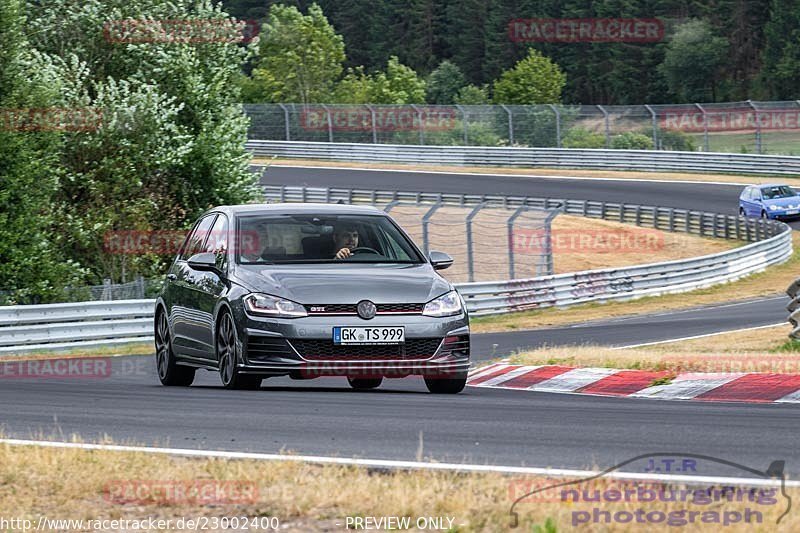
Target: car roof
298, 208
770, 185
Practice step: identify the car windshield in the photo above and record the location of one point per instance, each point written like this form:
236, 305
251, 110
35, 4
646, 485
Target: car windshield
282, 239
779, 191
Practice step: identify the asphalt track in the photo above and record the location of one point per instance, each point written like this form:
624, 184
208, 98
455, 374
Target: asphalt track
483, 426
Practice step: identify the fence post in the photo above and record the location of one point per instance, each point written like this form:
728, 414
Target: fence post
557, 113
421, 125
390, 205
510, 126
608, 129
758, 125
286, 121
330, 122
548, 241
470, 258
425, 221
374, 126
140, 287
705, 126
510, 227
463, 122
655, 126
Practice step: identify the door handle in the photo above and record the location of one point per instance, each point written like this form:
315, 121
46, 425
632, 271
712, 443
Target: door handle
172, 277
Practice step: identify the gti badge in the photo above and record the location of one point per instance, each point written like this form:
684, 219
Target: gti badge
366, 309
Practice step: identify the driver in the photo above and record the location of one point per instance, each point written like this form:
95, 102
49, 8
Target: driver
345, 239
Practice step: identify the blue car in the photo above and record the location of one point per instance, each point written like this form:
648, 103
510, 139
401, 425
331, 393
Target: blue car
773, 201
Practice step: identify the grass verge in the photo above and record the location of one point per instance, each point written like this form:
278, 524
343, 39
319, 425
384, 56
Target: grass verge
98, 485
763, 350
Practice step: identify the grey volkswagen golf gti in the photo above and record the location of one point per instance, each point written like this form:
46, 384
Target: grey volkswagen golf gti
309, 290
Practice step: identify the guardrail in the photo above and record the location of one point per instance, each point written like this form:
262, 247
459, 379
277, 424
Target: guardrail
794, 308
663, 218
476, 156
85, 324
25, 328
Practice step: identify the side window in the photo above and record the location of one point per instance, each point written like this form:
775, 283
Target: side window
194, 245
217, 242
747, 194
756, 193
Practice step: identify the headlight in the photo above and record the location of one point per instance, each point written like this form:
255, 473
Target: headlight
774, 208
264, 304
445, 305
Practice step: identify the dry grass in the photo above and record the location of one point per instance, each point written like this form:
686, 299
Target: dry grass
142, 348
771, 282
581, 245
75, 484
677, 176
754, 351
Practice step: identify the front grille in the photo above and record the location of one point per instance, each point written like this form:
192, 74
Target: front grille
352, 309
263, 348
326, 349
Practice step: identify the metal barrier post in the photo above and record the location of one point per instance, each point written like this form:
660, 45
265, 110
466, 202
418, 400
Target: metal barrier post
758, 126
608, 129
421, 125
510, 125
286, 120
470, 257
390, 205
705, 126
330, 122
374, 125
426, 218
557, 113
510, 226
655, 126
548, 241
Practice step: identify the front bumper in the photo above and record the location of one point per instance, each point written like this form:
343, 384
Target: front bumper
435, 347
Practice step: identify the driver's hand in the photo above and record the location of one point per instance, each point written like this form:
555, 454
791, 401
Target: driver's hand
344, 253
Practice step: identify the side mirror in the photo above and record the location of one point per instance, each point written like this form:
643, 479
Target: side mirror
203, 261
440, 260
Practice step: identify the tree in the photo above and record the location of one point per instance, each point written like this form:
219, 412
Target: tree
171, 140
693, 62
534, 80
30, 268
444, 83
781, 74
300, 57
472, 95
398, 85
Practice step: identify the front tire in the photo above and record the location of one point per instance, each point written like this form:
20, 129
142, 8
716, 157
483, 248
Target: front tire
364, 383
228, 357
438, 385
764, 215
169, 372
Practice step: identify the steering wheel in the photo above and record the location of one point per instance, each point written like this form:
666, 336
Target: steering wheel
364, 249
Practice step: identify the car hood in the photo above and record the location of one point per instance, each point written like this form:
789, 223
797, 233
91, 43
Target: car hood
344, 284
792, 202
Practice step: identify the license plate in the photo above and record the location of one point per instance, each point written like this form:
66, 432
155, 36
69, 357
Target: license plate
792, 211
361, 335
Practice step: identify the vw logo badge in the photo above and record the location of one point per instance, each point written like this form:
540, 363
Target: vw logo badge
366, 309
